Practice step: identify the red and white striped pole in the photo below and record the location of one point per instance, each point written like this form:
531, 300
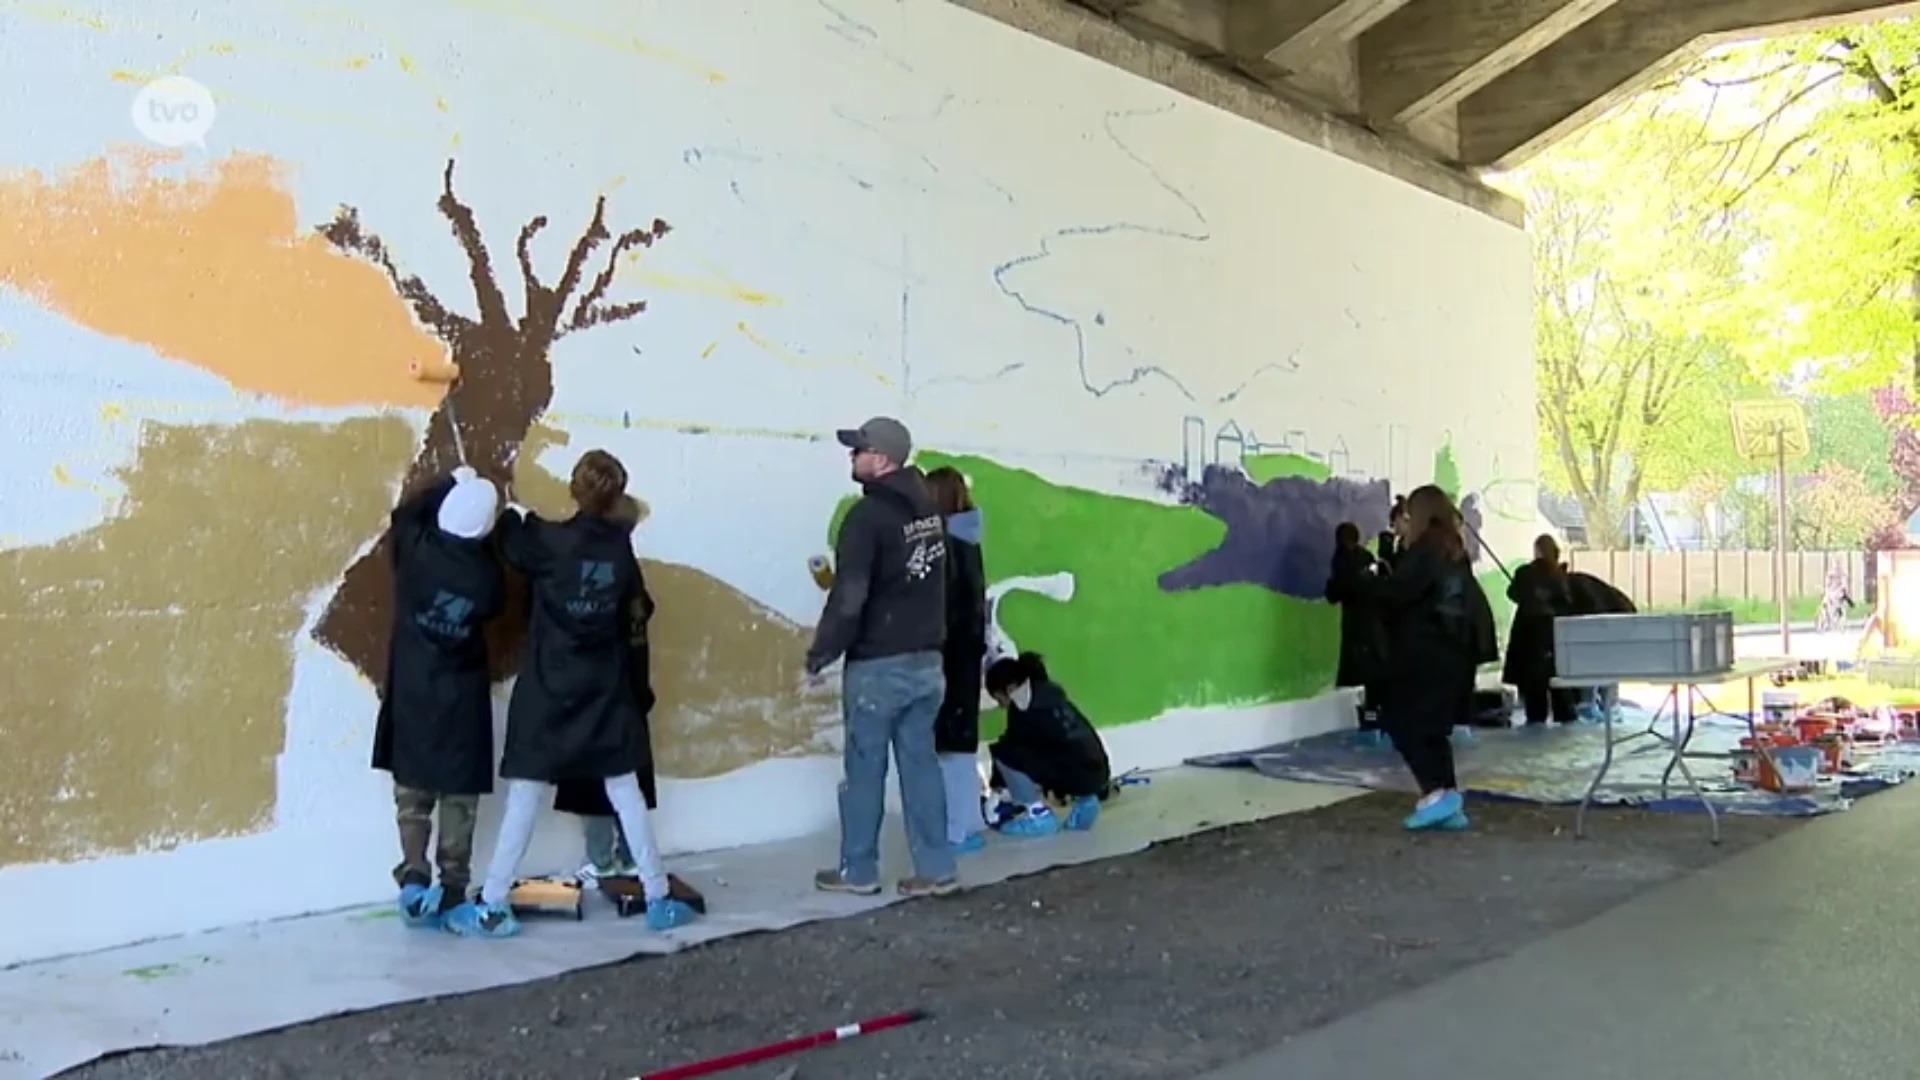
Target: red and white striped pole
789, 1046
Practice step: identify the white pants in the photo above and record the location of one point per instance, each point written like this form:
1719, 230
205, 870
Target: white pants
524, 799
961, 773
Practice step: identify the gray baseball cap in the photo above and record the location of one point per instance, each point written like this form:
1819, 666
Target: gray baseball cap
882, 435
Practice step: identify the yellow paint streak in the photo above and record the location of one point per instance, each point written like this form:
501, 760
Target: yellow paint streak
793, 359
66, 479
713, 283
707, 352
216, 270
145, 662
685, 427
611, 39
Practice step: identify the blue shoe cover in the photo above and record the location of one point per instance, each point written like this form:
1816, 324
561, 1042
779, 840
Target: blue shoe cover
1084, 812
1032, 823
1434, 813
667, 913
1463, 734
974, 842
1457, 823
477, 920
420, 905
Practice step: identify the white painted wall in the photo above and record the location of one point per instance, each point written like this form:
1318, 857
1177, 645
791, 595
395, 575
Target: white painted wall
1048, 261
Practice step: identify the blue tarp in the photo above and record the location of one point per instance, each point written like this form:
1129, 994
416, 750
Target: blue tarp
1554, 765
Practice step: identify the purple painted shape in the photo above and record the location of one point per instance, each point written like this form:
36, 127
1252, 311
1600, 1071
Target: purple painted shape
1279, 534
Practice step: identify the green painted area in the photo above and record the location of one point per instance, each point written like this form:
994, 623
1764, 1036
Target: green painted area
375, 914
162, 971
1264, 467
1446, 471
153, 971
1126, 649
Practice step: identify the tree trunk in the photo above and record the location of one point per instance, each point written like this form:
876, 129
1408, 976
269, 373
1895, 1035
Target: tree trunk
496, 402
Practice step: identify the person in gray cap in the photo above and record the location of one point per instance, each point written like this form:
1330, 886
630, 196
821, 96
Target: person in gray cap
886, 614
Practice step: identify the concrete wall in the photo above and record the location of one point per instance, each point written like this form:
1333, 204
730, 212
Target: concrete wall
1170, 347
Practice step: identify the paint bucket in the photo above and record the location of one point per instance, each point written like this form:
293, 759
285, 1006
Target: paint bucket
1746, 766
1791, 769
1777, 706
1813, 727
1833, 752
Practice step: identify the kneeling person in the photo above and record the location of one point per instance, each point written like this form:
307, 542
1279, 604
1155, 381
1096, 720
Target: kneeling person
1049, 746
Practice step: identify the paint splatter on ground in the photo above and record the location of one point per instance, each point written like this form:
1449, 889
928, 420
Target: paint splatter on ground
1164, 964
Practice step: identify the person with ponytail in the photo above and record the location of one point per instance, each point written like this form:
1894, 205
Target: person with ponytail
1049, 748
1432, 650
575, 714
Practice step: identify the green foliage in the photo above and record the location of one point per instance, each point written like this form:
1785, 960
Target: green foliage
1637, 312
1751, 226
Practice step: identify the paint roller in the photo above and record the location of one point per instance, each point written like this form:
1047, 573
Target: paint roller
447, 375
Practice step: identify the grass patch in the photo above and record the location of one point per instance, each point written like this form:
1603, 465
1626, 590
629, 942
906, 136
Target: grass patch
1748, 611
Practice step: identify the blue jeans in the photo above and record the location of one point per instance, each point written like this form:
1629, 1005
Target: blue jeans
606, 844
1020, 787
890, 703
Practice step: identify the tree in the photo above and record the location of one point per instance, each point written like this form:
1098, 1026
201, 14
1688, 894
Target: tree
1837, 507
1636, 268
1820, 151
505, 384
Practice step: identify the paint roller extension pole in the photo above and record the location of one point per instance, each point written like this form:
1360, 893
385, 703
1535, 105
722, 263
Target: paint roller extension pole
789, 1046
449, 379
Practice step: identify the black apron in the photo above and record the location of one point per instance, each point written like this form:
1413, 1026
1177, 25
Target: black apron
1539, 595
435, 731
1055, 745
588, 798
1362, 637
573, 715
956, 729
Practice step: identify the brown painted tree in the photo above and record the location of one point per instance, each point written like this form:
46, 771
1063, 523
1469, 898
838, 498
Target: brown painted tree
505, 384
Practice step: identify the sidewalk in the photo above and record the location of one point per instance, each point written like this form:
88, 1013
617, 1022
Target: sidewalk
1793, 959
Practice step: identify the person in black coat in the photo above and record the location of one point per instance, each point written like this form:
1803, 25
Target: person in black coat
1540, 593
1362, 648
1432, 645
574, 714
1049, 747
608, 853
1593, 596
956, 730
435, 730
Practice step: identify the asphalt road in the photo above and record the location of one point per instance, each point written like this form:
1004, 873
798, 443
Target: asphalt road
1166, 964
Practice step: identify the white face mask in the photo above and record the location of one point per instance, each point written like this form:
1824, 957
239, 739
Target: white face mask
1021, 696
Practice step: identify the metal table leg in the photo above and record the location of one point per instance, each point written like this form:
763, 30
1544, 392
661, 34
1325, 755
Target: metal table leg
1606, 759
1681, 736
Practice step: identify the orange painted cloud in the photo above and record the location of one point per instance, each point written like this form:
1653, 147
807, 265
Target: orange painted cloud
213, 268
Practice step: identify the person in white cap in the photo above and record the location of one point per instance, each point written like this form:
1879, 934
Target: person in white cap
435, 732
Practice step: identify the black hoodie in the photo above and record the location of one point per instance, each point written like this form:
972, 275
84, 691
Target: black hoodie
889, 576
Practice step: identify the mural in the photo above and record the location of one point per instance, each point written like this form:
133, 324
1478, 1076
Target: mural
212, 354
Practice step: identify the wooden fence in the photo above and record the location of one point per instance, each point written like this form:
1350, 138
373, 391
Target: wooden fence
1678, 578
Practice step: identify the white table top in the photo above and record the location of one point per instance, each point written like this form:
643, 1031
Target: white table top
1742, 669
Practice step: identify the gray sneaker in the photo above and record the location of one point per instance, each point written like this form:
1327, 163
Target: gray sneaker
919, 886
836, 882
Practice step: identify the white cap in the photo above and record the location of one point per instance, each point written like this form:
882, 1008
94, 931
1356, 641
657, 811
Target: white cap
471, 508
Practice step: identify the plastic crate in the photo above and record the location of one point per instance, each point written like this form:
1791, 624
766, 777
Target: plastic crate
1652, 646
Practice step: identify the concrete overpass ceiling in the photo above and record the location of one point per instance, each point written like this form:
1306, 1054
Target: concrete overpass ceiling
1469, 84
